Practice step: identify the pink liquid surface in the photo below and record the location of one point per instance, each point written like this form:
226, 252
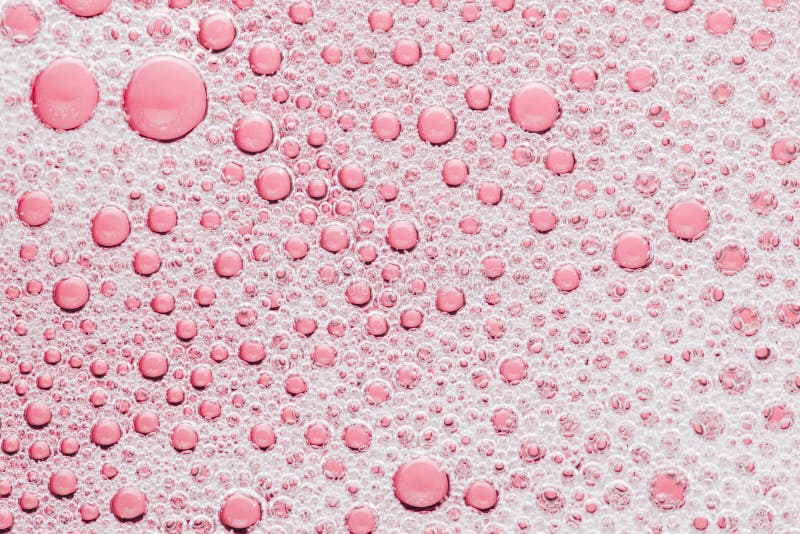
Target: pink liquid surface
399, 266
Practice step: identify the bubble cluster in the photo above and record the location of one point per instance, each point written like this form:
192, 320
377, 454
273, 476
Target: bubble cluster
398, 266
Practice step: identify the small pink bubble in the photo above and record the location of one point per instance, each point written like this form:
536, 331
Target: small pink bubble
265, 58
402, 235
146, 423
165, 98
334, 238
64, 94
253, 133
450, 299
352, 176
559, 160
481, 495
688, 219
386, 126
153, 365
20, 22
183, 437
583, 78
632, 251
37, 414
263, 436
567, 277
105, 433
273, 183
110, 226
240, 511
436, 125
228, 264
34, 208
129, 504
668, 490
421, 484
543, 219
252, 352
357, 437
784, 150
731, 259
406, 52
720, 21
161, 218
361, 520
216, 32
86, 8
455, 172
678, 6
71, 293
380, 20
478, 97
63, 483
301, 12
534, 108
640, 79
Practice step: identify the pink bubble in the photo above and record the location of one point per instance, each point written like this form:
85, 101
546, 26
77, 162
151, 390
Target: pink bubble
153, 365
216, 32
129, 504
64, 94
436, 125
357, 437
632, 251
583, 78
386, 126
559, 160
784, 150
34, 208
228, 264
668, 490
567, 277
161, 219
688, 219
731, 259
37, 414
380, 20
146, 262
640, 79
263, 436
481, 495
678, 6
334, 238
240, 511
105, 433
406, 52
720, 21
63, 483
110, 226
183, 437
455, 172
86, 8
351, 176
265, 58
534, 108
146, 423
361, 520
20, 22
253, 133
252, 352
543, 219
71, 293
421, 484
402, 235
301, 12
273, 183
165, 98
450, 299
478, 97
